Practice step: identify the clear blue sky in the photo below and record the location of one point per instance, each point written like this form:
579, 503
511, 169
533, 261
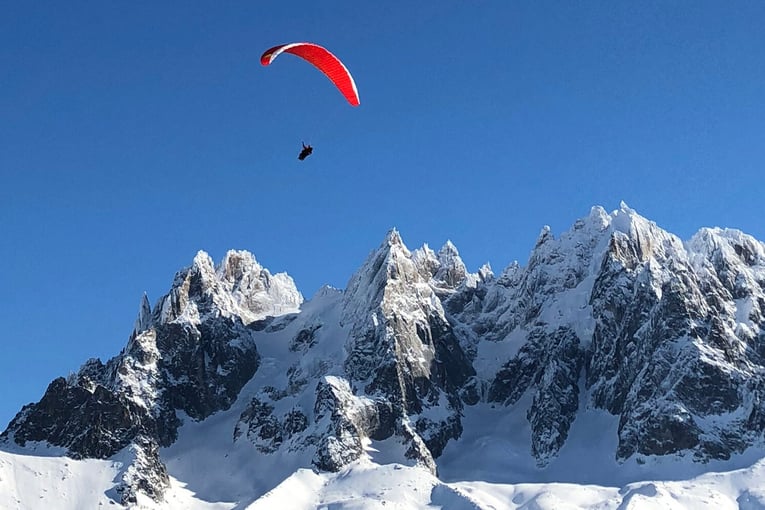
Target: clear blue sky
133, 134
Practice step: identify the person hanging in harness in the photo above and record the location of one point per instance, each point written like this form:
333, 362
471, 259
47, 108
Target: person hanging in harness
307, 150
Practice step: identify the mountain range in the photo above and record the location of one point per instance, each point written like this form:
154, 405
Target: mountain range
620, 367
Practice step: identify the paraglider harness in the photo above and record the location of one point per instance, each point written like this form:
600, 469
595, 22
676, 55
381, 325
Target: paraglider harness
307, 150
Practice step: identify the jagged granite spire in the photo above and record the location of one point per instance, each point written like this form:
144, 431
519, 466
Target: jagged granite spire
452, 270
401, 347
143, 321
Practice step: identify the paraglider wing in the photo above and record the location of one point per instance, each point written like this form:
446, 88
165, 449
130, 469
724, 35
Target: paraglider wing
323, 60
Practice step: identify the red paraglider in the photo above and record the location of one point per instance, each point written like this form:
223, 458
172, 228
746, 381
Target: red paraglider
323, 60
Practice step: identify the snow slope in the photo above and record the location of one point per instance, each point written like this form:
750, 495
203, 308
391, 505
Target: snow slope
46, 480
41, 482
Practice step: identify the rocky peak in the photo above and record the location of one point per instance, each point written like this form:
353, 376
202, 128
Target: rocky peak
393, 238
192, 353
645, 239
239, 268
727, 247
239, 287
445, 270
256, 293
544, 235
731, 268
622, 302
143, 321
426, 261
402, 348
485, 273
192, 287
452, 271
389, 266
448, 253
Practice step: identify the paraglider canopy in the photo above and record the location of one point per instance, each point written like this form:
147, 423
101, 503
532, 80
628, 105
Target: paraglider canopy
323, 60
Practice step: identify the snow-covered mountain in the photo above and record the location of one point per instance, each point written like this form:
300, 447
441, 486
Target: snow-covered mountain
620, 358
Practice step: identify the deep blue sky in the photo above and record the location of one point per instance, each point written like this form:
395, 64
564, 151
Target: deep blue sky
133, 134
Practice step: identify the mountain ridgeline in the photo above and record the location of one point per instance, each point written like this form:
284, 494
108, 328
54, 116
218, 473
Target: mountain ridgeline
615, 315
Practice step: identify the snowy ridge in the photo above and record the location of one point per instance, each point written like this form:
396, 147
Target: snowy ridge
425, 385
239, 287
66, 483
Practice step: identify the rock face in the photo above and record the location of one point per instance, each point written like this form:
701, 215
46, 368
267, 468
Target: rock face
378, 362
402, 348
615, 314
665, 335
192, 353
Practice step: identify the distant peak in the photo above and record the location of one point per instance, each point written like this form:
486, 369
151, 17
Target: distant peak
239, 255
623, 219
203, 260
327, 290
449, 257
448, 249
237, 263
625, 208
425, 250
544, 235
599, 217
728, 242
393, 244
485, 273
393, 237
143, 321
452, 271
